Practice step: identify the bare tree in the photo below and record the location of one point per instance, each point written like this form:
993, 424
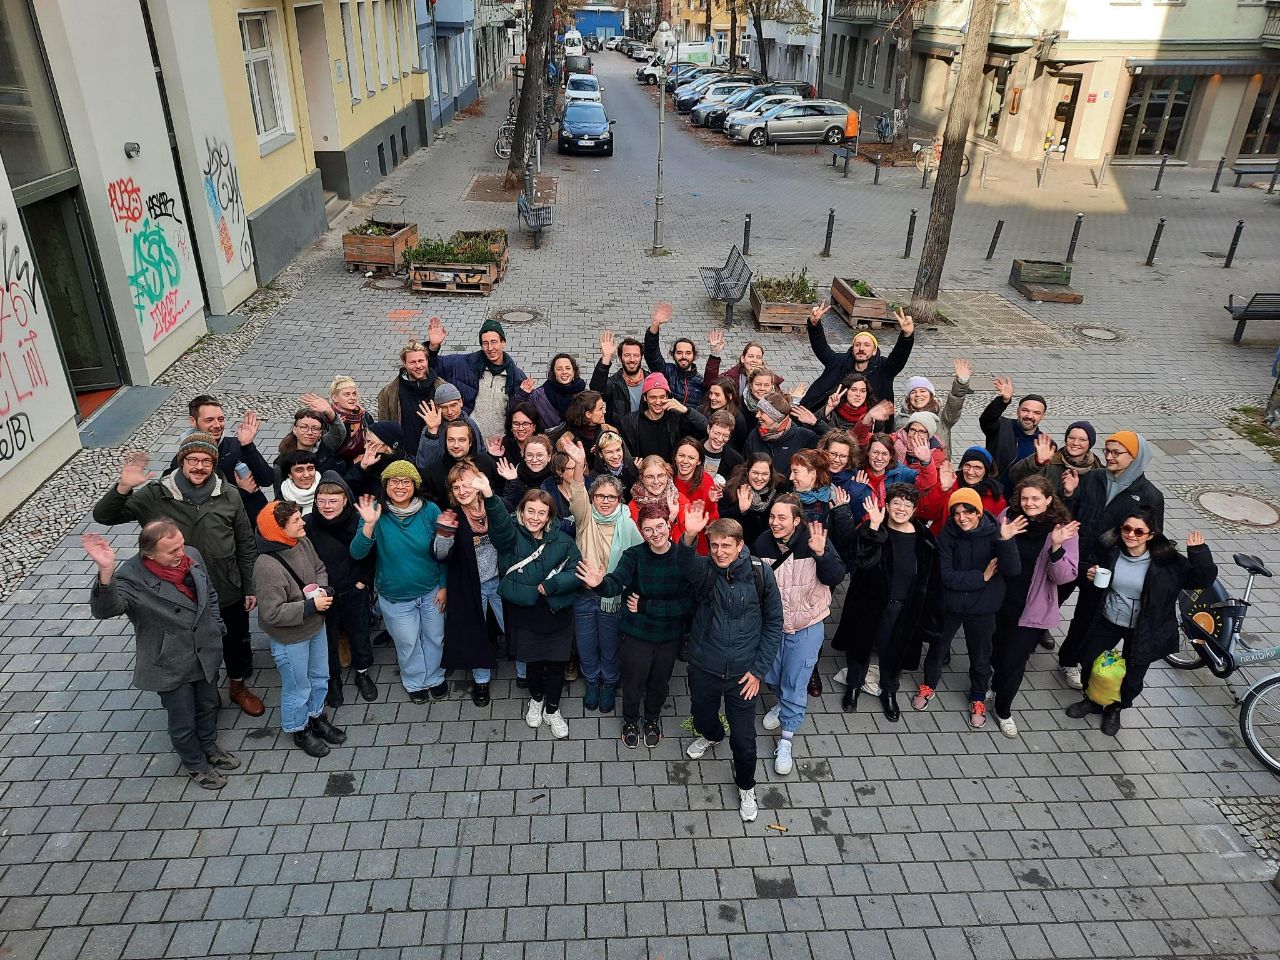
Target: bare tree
535, 75
733, 34
960, 116
706, 6
903, 29
794, 13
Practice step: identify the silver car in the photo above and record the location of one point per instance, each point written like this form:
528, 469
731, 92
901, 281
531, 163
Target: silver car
801, 121
760, 107
719, 91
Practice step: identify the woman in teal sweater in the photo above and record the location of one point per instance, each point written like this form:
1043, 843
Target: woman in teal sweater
410, 582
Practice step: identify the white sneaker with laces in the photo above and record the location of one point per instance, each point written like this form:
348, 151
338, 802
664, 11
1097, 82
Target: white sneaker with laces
773, 719
559, 726
699, 746
747, 806
1073, 677
533, 716
782, 763
1008, 727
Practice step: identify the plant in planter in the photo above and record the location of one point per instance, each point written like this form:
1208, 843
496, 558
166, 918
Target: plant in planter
377, 245
468, 262
855, 299
783, 303
495, 237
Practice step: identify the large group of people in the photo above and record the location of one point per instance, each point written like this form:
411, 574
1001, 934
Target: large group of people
602, 530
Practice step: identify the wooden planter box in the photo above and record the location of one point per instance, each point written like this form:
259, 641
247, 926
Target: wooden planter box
1040, 271
456, 278
784, 317
379, 253
498, 247
853, 307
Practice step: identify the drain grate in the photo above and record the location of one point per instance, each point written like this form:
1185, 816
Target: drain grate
518, 315
1097, 333
385, 283
1214, 254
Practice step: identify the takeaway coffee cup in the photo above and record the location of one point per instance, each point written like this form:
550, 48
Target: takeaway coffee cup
1102, 578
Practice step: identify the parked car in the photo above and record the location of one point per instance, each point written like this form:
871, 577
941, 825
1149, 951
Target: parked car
688, 75
717, 93
684, 103
699, 114
584, 127
697, 85
581, 86
573, 43
800, 121
655, 69
612, 43
763, 105
799, 88
579, 65
645, 52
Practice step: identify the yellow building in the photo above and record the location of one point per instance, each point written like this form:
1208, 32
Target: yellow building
689, 19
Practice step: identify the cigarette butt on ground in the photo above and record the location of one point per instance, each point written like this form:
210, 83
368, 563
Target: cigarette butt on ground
777, 826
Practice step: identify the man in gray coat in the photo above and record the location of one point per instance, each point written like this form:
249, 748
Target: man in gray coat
165, 592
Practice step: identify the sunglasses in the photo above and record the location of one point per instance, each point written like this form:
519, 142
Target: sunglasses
1133, 531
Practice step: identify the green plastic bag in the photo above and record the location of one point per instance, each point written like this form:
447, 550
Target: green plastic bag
1104, 680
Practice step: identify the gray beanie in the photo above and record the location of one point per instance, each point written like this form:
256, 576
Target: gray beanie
447, 393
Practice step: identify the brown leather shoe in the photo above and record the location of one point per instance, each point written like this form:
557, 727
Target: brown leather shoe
815, 684
245, 699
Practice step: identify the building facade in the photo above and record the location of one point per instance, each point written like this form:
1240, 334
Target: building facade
447, 45
792, 48
1133, 79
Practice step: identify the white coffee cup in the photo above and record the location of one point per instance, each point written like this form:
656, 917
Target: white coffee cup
312, 590
1101, 578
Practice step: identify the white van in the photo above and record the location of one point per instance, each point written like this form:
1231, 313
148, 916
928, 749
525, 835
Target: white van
573, 44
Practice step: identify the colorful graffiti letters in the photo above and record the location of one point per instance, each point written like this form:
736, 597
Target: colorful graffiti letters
126, 201
226, 204
18, 304
166, 314
155, 274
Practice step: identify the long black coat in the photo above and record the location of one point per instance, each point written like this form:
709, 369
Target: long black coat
1097, 517
466, 635
1155, 634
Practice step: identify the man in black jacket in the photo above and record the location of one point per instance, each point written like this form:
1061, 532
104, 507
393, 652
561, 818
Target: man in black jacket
413, 386
622, 391
1009, 441
685, 382
239, 461
657, 427
863, 356
778, 434
331, 526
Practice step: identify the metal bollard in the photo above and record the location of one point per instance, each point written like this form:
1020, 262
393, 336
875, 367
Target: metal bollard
995, 238
1155, 242
1218, 176
831, 226
1235, 242
911, 232
982, 176
1164, 159
924, 178
1275, 173
746, 236
1102, 171
1075, 236
1044, 170
877, 180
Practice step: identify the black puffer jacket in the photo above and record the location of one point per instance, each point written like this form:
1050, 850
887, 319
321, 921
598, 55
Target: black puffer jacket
332, 540
1097, 517
963, 557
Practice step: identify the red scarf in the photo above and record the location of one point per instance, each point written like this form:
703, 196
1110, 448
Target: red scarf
180, 576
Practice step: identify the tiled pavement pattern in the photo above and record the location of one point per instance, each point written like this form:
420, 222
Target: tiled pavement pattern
447, 831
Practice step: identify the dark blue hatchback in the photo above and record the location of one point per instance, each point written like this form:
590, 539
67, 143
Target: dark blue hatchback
585, 127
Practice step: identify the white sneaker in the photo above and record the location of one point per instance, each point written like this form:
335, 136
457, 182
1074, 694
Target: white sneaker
782, 758
841, 677
747, 807
1073, 677
533, 716
872, 682
1008, 727
699, 746
559, 727
773, 719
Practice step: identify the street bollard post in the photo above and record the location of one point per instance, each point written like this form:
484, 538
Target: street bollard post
877, 180
924, 178
1075, 237
1155, 242
982, 175
1102, 171
1235, 242
746, 236
995, 238
1044, 170
1275, 173
831, 226
1218, 176
1164, 159
911, 232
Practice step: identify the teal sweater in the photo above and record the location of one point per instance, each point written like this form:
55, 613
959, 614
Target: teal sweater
405, 567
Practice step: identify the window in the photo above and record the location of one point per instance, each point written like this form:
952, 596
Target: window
890, 67
348, 46
875, 63
840, 57
442, 65
916, 83
32, 138
831, 54
407, 31
862, 61
380, 36
366, 44
1263, 132
270, 108
393, 42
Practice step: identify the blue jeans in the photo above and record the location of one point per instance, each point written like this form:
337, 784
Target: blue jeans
417, 629
790, 673
597, 640
489, 599
304, 679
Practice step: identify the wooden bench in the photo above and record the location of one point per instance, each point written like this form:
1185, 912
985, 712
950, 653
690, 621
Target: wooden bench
535, 218
727, 284
1261, 306
1253, 170
847, 150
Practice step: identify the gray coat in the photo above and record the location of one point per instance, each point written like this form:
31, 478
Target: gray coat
178, 639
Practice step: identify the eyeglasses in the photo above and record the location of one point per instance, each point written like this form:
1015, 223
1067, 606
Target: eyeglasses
918, 431
198, 461
902, 503
837, 456
1132, 531
308, 427
1113, 454
607, 497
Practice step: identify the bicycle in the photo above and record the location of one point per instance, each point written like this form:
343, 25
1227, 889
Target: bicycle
506, 137
932, 157
1212, 622
886, 129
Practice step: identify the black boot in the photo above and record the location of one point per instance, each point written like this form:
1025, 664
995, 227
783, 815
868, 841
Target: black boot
334, 697
1111, 720
890, 703
480, 694
364, 683
849, 703
1082, 708
310, 742
327, 731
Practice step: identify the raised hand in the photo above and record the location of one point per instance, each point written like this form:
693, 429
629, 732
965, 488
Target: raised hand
318, 404
817, 538
1043, 444
744, 498
247, 429
447, 523
715, 340
715, 493
99, 551
804, 415
430, 415
1012, 528
1004, 387
881, 411
661, 314
1070, 482
1064, 532
875, 512
673, 404
916, 448
436, 333
862, 478
495, 446
963, 369
839, 496
819, 311
946, 475
578, 454
134, 473
798, 390
906, 323
528, 385
480, 483
369, 509
507, 469
591, 576
608, 347
992, 566
695, 518
1195, 539
368, 457
833, 401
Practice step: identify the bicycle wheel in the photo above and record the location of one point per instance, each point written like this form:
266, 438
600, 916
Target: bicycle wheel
1260, 721
1186, 658
964, 166
502, 145
921, 155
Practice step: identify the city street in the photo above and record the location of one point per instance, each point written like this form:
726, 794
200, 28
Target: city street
452, 831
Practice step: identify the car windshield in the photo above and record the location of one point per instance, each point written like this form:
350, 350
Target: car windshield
584, 113
774, 111
740, 97
581, 83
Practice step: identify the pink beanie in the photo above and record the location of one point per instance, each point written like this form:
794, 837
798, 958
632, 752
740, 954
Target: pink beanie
654, 381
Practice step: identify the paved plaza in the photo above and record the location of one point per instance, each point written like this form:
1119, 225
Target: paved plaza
453, 831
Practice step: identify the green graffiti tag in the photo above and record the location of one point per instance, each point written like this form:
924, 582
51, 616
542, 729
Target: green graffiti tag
155, 268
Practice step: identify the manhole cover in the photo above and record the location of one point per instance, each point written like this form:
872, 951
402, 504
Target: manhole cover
1214, 254
518, 315
385, 283
1239, 508
1097, 333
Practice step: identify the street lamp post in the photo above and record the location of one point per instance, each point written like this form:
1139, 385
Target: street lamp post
663, 41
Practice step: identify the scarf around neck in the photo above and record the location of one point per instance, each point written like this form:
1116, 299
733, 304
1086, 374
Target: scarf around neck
405, 512
776, 432
821, 495
850, 414
180, 576
640, 495
304, 498
561, 395
192, 493
621, 533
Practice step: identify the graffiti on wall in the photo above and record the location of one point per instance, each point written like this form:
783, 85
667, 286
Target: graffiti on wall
22, 371
161, 205
125, 198
226, 204
154, 280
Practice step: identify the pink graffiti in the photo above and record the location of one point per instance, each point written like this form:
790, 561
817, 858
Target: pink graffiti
11, 391
165, 315
14, 305
126, 201
224, 240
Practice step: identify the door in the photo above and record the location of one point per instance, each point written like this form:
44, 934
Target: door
789, 124
1064, 110
66, 273
313, 48
1155, 116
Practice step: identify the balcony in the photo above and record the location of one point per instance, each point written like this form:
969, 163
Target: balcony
875, 11
1271, 26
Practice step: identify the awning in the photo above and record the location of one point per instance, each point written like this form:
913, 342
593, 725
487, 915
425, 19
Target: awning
945, 50
450, 28
1202, 68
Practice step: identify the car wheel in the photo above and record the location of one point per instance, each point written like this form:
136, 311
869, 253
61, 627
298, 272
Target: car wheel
560, 148
653, 81
757, 138
608, 151
833, 135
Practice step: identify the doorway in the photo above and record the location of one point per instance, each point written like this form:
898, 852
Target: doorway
66, 271
313, 46
1066, 95
1155, 116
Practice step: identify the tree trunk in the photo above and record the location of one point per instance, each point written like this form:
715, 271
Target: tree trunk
733, 34
535, 75
960, 116
707, 20
903, 30
823, 53
757, 21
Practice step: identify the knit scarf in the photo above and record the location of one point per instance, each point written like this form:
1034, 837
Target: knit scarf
821, 495
641, 496
304, 498
603, 541
776, 432
531, 478
180, 576
850, 415
190, 492
758, 502
561, 395
495, 369
353, 443
407, 511
749, 401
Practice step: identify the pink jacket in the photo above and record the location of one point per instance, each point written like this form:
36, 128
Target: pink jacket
1041, 611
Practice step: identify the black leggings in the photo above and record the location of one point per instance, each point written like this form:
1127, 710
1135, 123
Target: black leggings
1011, 648
546, 682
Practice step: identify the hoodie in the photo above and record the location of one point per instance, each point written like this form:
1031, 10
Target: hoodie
963, 557
332, 541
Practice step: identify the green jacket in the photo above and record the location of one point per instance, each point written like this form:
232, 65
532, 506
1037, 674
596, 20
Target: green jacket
556, 567
219, 528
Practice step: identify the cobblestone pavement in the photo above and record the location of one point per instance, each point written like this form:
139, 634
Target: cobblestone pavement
450, 831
